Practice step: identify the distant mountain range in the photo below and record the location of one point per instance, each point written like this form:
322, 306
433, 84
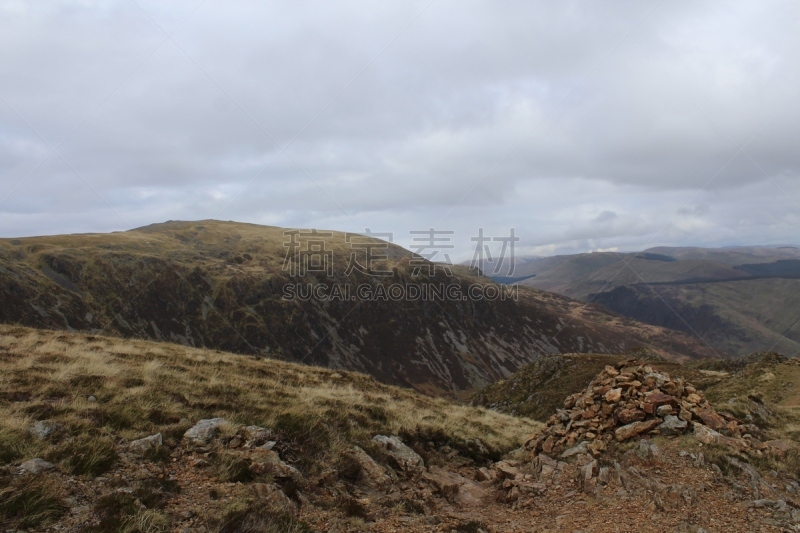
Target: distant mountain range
737, 300
222, 285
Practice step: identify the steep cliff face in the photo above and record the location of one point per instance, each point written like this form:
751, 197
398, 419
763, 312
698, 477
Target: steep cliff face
224, 286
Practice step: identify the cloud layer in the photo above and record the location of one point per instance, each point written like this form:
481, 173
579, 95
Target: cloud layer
583, 125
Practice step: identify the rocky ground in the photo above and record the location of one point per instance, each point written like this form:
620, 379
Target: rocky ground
635, 451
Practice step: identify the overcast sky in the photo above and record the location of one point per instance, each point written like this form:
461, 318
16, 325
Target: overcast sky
583, 125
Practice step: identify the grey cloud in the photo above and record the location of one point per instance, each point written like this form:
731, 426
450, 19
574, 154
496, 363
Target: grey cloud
536, 115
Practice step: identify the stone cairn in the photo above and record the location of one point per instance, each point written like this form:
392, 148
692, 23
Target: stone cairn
632, 399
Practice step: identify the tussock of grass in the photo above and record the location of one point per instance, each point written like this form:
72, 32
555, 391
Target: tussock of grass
143, 388
247, 516
30, 502
85, 454
233, 468
12, 445
121, 512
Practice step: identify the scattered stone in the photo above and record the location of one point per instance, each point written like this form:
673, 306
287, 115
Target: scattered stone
636, 428
646, 450
204, 431
672, 425
142, 446
627, 416
778, 447
46, 429
705, 434
455, 487
91, 399
37, 466
483, 474
655, 399
257, 436
613, 395
664, 410
505, 470
710, 418
575, 450
272, 497
369, 472
404, 457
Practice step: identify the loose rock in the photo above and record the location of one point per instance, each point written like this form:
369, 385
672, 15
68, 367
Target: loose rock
37, 466
142, 446
204, 431
46, 429
404, 457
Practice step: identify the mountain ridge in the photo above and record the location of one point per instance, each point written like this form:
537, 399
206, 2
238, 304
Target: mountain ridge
222, 285
737, 300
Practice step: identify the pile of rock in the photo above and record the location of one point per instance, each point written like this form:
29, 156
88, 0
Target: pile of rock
632, 399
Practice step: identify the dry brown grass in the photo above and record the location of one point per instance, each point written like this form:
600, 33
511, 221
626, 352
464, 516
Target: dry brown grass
144, 387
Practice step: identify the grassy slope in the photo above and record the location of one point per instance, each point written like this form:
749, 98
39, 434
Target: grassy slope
144, 387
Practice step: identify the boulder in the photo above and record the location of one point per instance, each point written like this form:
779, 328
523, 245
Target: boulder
404, 457
204, 431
